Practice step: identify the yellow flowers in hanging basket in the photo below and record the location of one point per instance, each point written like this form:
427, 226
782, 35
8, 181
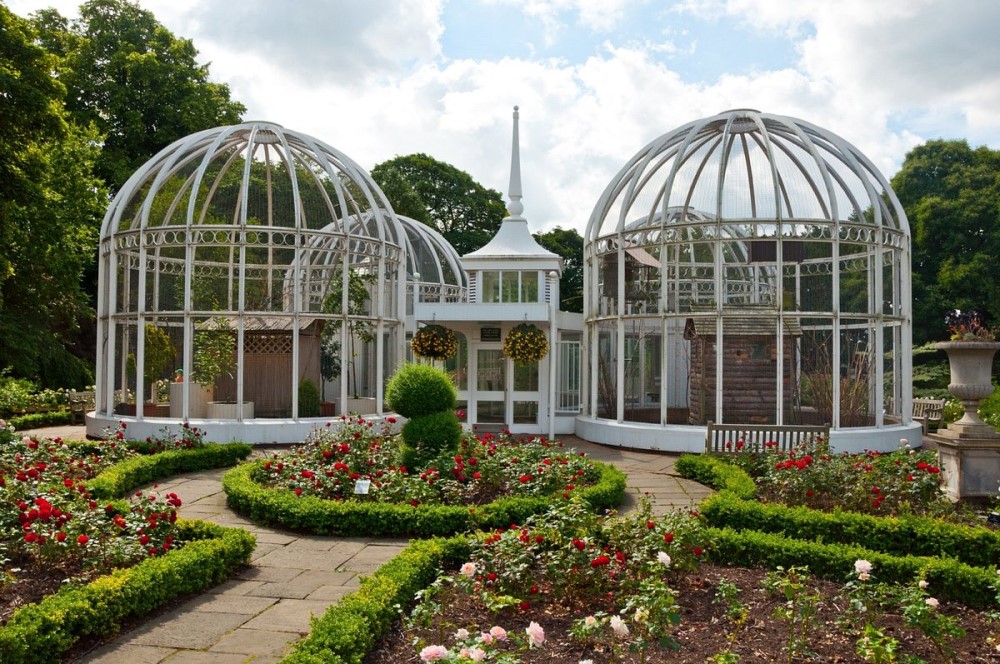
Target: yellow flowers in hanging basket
434, 341
526, 343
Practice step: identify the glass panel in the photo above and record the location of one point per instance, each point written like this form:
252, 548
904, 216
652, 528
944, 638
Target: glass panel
458, 365
491, 374
525, 412
607, 383
509, 291
490, 412
526, 377
491, 286
529, 287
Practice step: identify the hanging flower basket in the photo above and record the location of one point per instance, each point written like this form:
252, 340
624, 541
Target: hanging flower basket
434, 341
526, 343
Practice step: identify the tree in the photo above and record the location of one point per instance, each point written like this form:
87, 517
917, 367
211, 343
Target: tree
50, 210
568, 243
465, 212
950, 193
129, 76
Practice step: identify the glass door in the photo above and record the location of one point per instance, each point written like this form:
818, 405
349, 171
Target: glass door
491, 386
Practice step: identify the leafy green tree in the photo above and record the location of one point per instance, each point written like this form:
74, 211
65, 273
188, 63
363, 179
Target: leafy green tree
465, 212
129, 76
568, 243
50, 210
950, 193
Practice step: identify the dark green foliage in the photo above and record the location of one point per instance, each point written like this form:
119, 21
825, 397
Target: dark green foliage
168, 93
42, 632
949, 579
123, 477
308, 399
351, 519
568, 243
36, 420
429, 436
350, 628
716, 473
420, 389
465, 212
949, 191
913, 535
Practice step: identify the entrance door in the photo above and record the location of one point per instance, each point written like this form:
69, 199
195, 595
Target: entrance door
491, 386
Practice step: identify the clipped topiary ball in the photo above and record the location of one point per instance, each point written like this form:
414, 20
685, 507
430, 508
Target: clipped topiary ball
427, 437
420, 389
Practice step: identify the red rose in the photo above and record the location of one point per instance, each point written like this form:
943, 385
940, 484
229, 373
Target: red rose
82, 540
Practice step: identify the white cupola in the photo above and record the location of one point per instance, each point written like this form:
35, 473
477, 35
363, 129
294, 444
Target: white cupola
512, 267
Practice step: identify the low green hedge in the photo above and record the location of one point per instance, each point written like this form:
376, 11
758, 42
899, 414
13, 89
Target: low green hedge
350, 518
42, 632
948, 578
716, 473
52, 418
913, 535
352, 627
123, 477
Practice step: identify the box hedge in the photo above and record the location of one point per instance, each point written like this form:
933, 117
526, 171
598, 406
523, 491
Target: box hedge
42, 632
350, 518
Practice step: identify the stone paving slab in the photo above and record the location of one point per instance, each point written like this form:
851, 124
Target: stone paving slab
193, 630
289, 615
258, 642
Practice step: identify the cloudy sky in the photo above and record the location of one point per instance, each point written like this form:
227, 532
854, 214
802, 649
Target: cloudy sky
595, 79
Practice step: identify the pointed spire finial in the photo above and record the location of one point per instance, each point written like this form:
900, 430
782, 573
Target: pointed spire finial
515, 207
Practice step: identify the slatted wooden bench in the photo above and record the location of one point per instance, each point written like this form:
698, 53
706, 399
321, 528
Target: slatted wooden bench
926, 411
732, 438
79, 404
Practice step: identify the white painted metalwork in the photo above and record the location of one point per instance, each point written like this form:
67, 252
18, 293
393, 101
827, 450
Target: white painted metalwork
730, 226
251, 223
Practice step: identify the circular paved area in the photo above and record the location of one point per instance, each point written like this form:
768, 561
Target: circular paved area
257, 615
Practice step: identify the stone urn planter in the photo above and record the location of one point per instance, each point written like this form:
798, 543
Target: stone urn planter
971, 364
969, 449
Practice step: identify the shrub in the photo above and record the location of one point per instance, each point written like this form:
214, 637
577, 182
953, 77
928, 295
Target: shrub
420, 389
308, 399
38, 420
429, 436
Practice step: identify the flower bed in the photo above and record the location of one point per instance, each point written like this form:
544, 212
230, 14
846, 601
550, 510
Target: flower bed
491, 481
570, 587
57, 531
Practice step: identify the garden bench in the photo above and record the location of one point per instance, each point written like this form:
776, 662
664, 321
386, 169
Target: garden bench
724, 438
926, 411
79, 404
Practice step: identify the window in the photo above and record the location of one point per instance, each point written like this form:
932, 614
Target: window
509, 286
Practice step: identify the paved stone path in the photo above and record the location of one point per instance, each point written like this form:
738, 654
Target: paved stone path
258, 615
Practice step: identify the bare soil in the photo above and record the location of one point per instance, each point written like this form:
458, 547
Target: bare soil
704, 630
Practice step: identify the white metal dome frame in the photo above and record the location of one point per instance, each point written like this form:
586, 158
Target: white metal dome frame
250, 224
733, 227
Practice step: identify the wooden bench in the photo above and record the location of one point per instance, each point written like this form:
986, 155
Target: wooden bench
79, 404
732, 438
926, 411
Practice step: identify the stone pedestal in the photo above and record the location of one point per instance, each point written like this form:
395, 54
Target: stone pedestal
971, 465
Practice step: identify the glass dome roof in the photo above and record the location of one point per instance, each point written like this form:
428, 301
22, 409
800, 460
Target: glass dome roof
744, 165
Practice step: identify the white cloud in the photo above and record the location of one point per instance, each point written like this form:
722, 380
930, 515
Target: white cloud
371, 80
318, 40
598, 15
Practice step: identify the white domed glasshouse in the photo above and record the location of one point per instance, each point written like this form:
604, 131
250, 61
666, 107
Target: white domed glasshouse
745, 268
244, 266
